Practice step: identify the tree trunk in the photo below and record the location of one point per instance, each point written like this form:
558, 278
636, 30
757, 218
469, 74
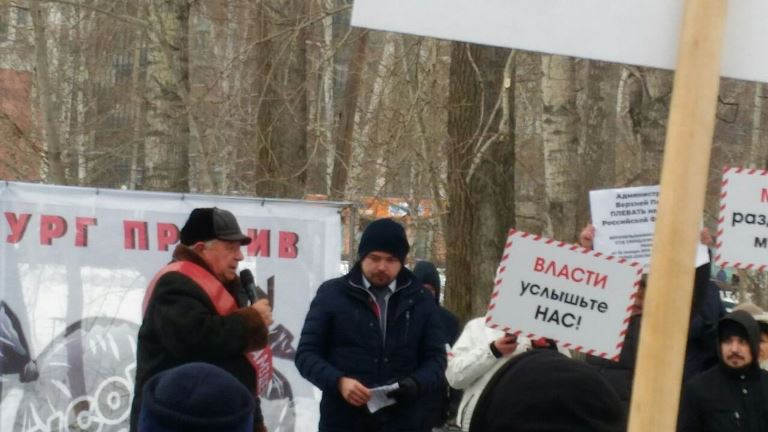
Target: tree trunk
597, 131
463, 115
559, 134
492, 181
289, 138
346, 125
169, 136
45, 91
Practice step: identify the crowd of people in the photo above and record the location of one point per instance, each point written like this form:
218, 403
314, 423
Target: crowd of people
388, 357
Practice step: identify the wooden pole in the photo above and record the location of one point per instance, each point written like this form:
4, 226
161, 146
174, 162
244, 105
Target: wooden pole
657, 382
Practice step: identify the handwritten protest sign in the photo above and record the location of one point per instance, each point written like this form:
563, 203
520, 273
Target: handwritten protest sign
625, 220
580, 298
742, 240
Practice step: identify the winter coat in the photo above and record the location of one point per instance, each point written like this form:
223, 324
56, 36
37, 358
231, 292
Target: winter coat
181, 325
471, 364
543, 390
724, 399
442, 405
706, 311
342, 337
620, 374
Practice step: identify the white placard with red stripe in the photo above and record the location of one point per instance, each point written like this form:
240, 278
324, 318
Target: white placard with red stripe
580, 298
742, 234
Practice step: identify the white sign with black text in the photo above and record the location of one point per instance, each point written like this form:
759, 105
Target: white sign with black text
580, 298
624, 221
742, 238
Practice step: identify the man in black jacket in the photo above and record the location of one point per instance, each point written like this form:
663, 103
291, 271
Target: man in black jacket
733, 395
373, 327
193, 310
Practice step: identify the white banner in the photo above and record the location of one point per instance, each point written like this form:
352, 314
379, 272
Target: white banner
742, 238
75, 264
581, 299
625, 220
640, 32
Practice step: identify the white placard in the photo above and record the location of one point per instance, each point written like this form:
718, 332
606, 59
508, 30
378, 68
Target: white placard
742, 235
580, 298
625, 220
641, 32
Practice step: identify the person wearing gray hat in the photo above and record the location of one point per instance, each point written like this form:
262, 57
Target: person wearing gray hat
193, 310
373, 327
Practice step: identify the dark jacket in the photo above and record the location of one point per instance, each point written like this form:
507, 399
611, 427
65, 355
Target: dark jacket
442, 405
707, 309
181, 325
724, 399
542, 390
620, 374
342, 338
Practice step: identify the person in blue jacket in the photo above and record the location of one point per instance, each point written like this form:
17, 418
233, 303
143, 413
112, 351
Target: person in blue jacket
373, 327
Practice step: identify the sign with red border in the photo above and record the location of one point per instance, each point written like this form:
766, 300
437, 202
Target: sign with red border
742, 234
580, 298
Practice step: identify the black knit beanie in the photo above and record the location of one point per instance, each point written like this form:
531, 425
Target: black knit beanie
384, 235
544, 391
195, 397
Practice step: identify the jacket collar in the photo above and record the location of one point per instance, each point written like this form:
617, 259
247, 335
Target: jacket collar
404, 279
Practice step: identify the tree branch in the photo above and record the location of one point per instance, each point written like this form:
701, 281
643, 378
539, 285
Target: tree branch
125, 18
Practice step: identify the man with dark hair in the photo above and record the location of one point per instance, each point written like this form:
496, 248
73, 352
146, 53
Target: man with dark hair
731, 396
372, 327
194, 310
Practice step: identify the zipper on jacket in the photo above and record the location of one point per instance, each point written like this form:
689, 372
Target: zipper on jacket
407, 323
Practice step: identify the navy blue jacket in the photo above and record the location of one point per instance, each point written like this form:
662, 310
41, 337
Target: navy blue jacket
342, 338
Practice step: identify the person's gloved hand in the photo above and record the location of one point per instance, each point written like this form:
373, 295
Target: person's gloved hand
408, 390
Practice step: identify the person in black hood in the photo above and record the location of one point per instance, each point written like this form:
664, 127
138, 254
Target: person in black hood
441, 405
731, 396
427, 274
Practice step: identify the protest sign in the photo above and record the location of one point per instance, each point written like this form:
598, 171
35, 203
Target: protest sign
742, 241
580, 298
625, 220
640, 32
75, 265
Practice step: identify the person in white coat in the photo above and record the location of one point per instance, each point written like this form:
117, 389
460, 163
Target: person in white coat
476, 356
473, 360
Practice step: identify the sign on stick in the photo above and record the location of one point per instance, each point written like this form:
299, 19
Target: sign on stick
640, 32
580, 298
742, 240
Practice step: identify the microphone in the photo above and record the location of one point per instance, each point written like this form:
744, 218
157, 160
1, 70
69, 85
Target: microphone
253, 292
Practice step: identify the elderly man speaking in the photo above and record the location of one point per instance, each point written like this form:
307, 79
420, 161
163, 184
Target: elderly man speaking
191, 309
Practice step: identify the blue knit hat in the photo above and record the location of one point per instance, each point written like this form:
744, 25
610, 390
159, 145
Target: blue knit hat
384, 235
196, 397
